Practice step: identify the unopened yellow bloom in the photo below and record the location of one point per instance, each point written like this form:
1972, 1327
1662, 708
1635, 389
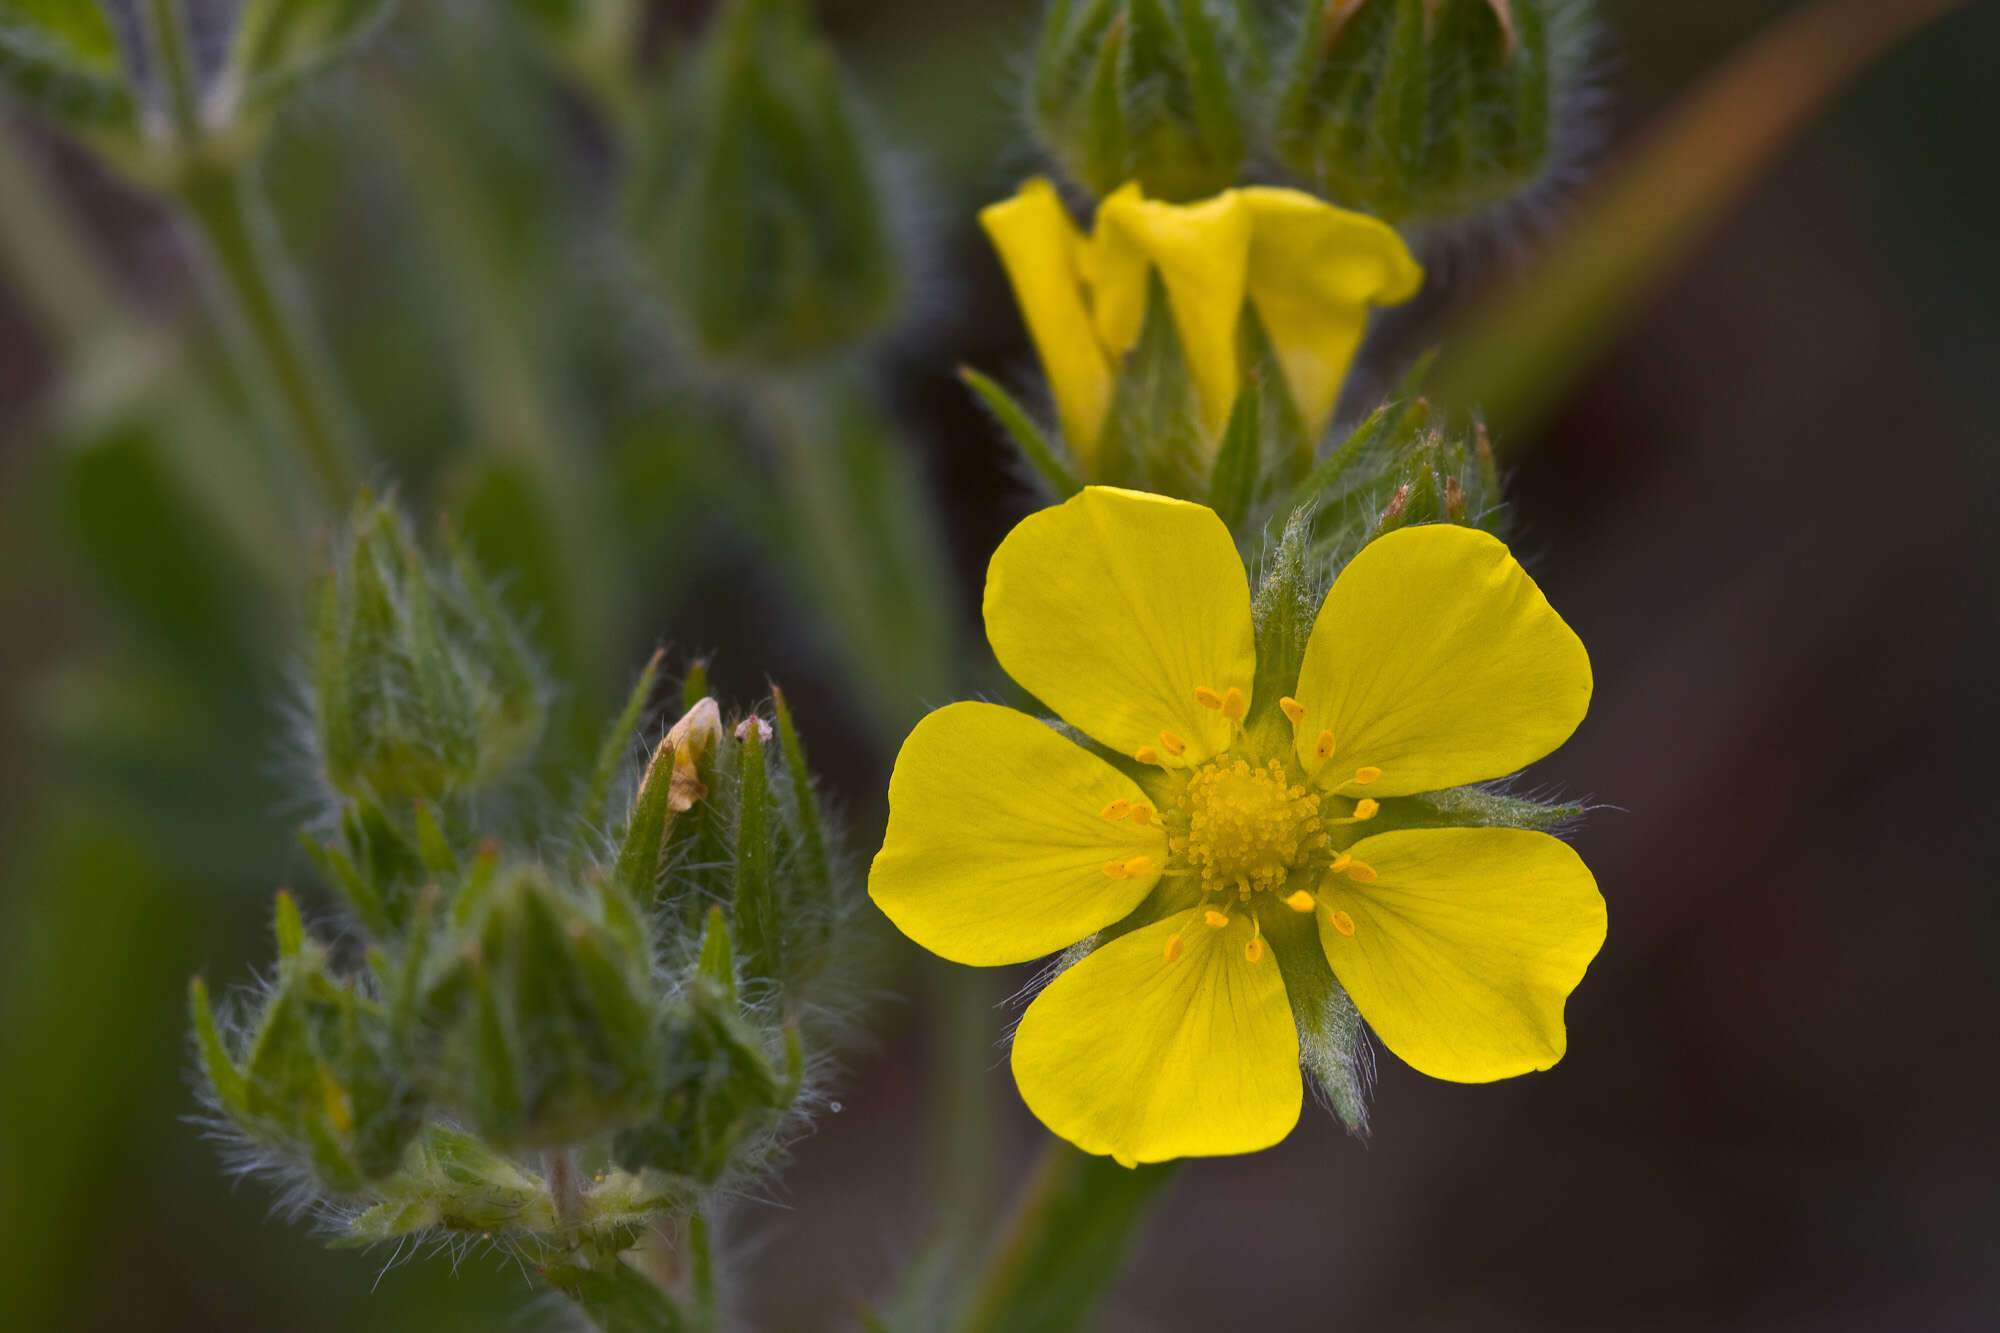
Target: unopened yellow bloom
1310, 270
1435, 661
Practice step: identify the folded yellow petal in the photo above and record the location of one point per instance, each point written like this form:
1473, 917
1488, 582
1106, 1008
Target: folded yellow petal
1114, 608
1462, 950
1437, 661
1314, 271
1167, 1042
1040, 248
1000, 847
1201, 252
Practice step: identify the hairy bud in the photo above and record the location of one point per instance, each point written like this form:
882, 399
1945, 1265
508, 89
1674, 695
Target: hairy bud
758, 199
1427, 110
421, 686
1151, 91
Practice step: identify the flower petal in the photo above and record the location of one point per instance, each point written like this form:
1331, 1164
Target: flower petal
998, 842
1437, 660
1201, 251
1465, 947
1113, 607
1314, 270
1040, 248
1145, 1059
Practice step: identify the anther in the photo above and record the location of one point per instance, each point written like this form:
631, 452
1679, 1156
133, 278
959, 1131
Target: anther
1139, 867
1340, 863
1206, 697
1323, 747
1146, 754
1338, 919
1115, 869
1300, 901
1233, 704
1214, 919
1361, 872
1117, 810
1292, 709
1174, 947
1365, 775
1254, 950
1365, 808
1171, 743
1143, 814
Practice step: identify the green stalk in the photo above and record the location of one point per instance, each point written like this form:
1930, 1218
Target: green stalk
1065, 1244
276, 348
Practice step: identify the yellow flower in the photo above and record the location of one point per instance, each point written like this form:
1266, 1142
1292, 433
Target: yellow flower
1435, 661
1310, 270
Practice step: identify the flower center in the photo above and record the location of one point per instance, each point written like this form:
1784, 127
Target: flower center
1247, 828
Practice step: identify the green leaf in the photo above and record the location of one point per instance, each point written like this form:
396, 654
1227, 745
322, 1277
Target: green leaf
280, 43
1036, 448
611, 754
617, 1299
1233, 483
288, 927
805, 804
223, 1075
756, 893
61, 56
1065, 1245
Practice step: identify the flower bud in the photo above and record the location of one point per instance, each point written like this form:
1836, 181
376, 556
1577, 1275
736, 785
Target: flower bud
1427, 110
537, 1025
318, 1081
1145, 90
758, 199
422, 687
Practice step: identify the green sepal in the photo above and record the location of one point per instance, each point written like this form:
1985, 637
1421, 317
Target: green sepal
433, 848
755, 892
1152, 439
718, 961
1333, 1046
1037, 450
1290, 589
694, 685
637, 869
288, 927
1474, 807
335, 865
224, 1078
805, 804
617, 740
616, 1298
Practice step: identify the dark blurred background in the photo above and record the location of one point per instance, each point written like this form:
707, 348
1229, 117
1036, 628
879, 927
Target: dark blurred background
1767, 510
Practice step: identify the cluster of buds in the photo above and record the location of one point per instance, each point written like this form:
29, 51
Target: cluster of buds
1415, 111
514, 1039
758, 198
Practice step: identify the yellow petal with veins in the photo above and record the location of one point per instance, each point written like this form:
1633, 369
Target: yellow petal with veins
1314, 271
1201, 252
1114, 607
997, 841
1464, 949
1436, 660
1146, 1051
1041, 250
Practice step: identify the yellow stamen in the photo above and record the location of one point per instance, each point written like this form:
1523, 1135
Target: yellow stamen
1292, 709
1143, 814
1341, 863
1115, 869
1365, 775
1361, 872
1300, 901
1365, 808
1172, 744
1146, 754
1117, 810
1233, 704
1323, 747
1139, 867
1206, 697
1254, 950
1340, 921
1174, 947
1214, 919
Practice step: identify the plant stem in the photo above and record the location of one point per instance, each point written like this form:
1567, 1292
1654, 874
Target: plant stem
170, 42
565, 1186
276, 348
1065, 1243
